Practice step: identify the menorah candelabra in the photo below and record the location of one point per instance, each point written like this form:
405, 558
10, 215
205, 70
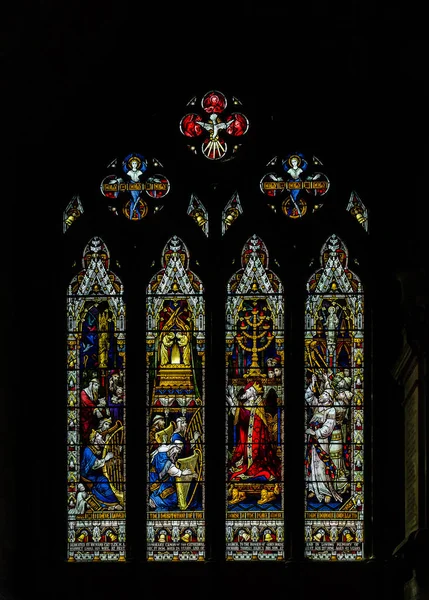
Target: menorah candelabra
256, 321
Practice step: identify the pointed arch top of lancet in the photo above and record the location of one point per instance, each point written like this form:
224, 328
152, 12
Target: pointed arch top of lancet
95, 278
334, 273
175, 275
254, 276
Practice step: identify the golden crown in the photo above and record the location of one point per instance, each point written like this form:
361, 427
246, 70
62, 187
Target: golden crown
258, 387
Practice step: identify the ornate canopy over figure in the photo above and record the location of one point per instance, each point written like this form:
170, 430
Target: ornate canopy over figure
176, 330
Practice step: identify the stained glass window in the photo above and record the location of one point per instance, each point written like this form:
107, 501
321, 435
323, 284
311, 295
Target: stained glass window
358, 209
294, 184
198, 212
217, 125
231, 212
96, 417
254, 410
175, 361
73, 211
135, 186
333, 399
253, 343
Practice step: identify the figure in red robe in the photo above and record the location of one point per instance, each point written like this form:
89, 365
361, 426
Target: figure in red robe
88, 402
254, 455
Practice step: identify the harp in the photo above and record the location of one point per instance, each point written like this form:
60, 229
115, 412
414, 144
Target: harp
164, 436
114, 468
183, 483
193, 462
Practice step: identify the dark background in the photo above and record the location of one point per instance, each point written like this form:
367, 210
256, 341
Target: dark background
81, 85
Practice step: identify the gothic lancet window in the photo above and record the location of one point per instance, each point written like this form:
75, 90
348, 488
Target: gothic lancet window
175, 364
254, 394
96, 416
334, 417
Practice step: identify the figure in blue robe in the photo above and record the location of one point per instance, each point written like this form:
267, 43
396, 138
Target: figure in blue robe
295, 165
91, 469
162, 475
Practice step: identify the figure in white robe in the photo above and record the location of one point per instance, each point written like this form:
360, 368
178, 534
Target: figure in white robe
81, 501
321, 469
